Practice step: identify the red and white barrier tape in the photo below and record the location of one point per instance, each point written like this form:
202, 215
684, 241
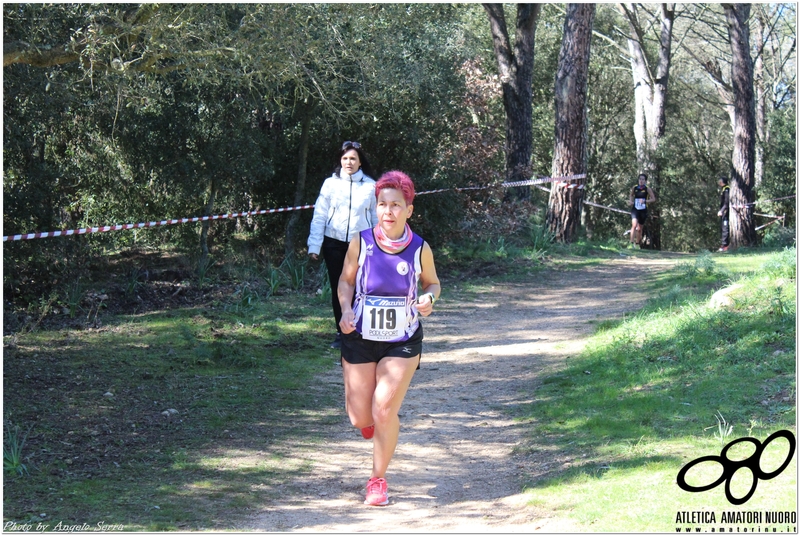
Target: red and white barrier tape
532, 182
562, 180
734, 206
767, 224
53, 234
777, 219
593, 203
766, 200
607, 207
129, 226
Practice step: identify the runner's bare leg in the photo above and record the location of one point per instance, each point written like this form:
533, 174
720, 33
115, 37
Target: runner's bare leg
394, 376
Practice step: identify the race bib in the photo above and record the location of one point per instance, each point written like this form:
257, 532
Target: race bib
640, 204
383, 318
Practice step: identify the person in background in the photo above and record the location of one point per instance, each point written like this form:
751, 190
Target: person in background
346, 206
724, 213
640, 196
379, 291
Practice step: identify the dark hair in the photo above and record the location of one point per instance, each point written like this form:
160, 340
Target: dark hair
366, 167
643, 175
724, 179
399, 181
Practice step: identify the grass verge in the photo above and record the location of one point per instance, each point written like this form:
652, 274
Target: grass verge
675, 382
169, 420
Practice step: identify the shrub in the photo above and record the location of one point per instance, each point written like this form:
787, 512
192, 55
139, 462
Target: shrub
782, 264
779, 236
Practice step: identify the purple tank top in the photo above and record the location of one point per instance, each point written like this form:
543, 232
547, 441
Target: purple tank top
385, 290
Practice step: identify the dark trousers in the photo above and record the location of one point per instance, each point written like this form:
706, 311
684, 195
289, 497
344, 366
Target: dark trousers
725, 231
334, 253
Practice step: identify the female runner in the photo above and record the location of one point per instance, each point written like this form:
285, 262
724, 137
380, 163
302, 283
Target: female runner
381, 341
640, 197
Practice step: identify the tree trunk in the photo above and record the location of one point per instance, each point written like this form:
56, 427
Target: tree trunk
651, 90
299, 190
760, 102
742, 223
516, 76
571, 87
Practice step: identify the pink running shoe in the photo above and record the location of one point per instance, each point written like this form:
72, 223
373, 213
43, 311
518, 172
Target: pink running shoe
376, 492
368, 432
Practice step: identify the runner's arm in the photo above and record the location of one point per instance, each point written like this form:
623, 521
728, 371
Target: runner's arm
429, 281
318, 222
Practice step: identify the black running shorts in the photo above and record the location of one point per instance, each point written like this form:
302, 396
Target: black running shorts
640, 215
356, 350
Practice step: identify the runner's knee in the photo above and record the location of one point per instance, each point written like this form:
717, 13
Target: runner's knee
359, 416
359, 412
357, 420
383, 414
385, 408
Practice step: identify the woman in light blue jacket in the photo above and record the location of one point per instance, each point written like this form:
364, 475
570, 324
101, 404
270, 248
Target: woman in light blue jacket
346, 206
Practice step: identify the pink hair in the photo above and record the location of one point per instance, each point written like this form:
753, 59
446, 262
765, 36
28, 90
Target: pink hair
399, 181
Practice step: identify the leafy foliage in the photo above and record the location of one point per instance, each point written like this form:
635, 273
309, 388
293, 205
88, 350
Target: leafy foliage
118, 113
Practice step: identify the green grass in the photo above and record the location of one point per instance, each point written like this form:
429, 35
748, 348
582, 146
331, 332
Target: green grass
239, 377
643, 398
483, 262
13, 451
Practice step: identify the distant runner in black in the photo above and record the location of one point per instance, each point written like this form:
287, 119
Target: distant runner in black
724, 213
640, 197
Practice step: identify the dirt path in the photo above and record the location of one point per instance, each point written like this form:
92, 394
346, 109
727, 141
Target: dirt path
454, 469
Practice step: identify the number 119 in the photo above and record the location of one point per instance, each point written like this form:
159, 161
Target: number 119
384, 318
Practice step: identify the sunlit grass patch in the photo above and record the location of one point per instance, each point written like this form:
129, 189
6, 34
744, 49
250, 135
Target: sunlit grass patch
640, 493
675, 381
